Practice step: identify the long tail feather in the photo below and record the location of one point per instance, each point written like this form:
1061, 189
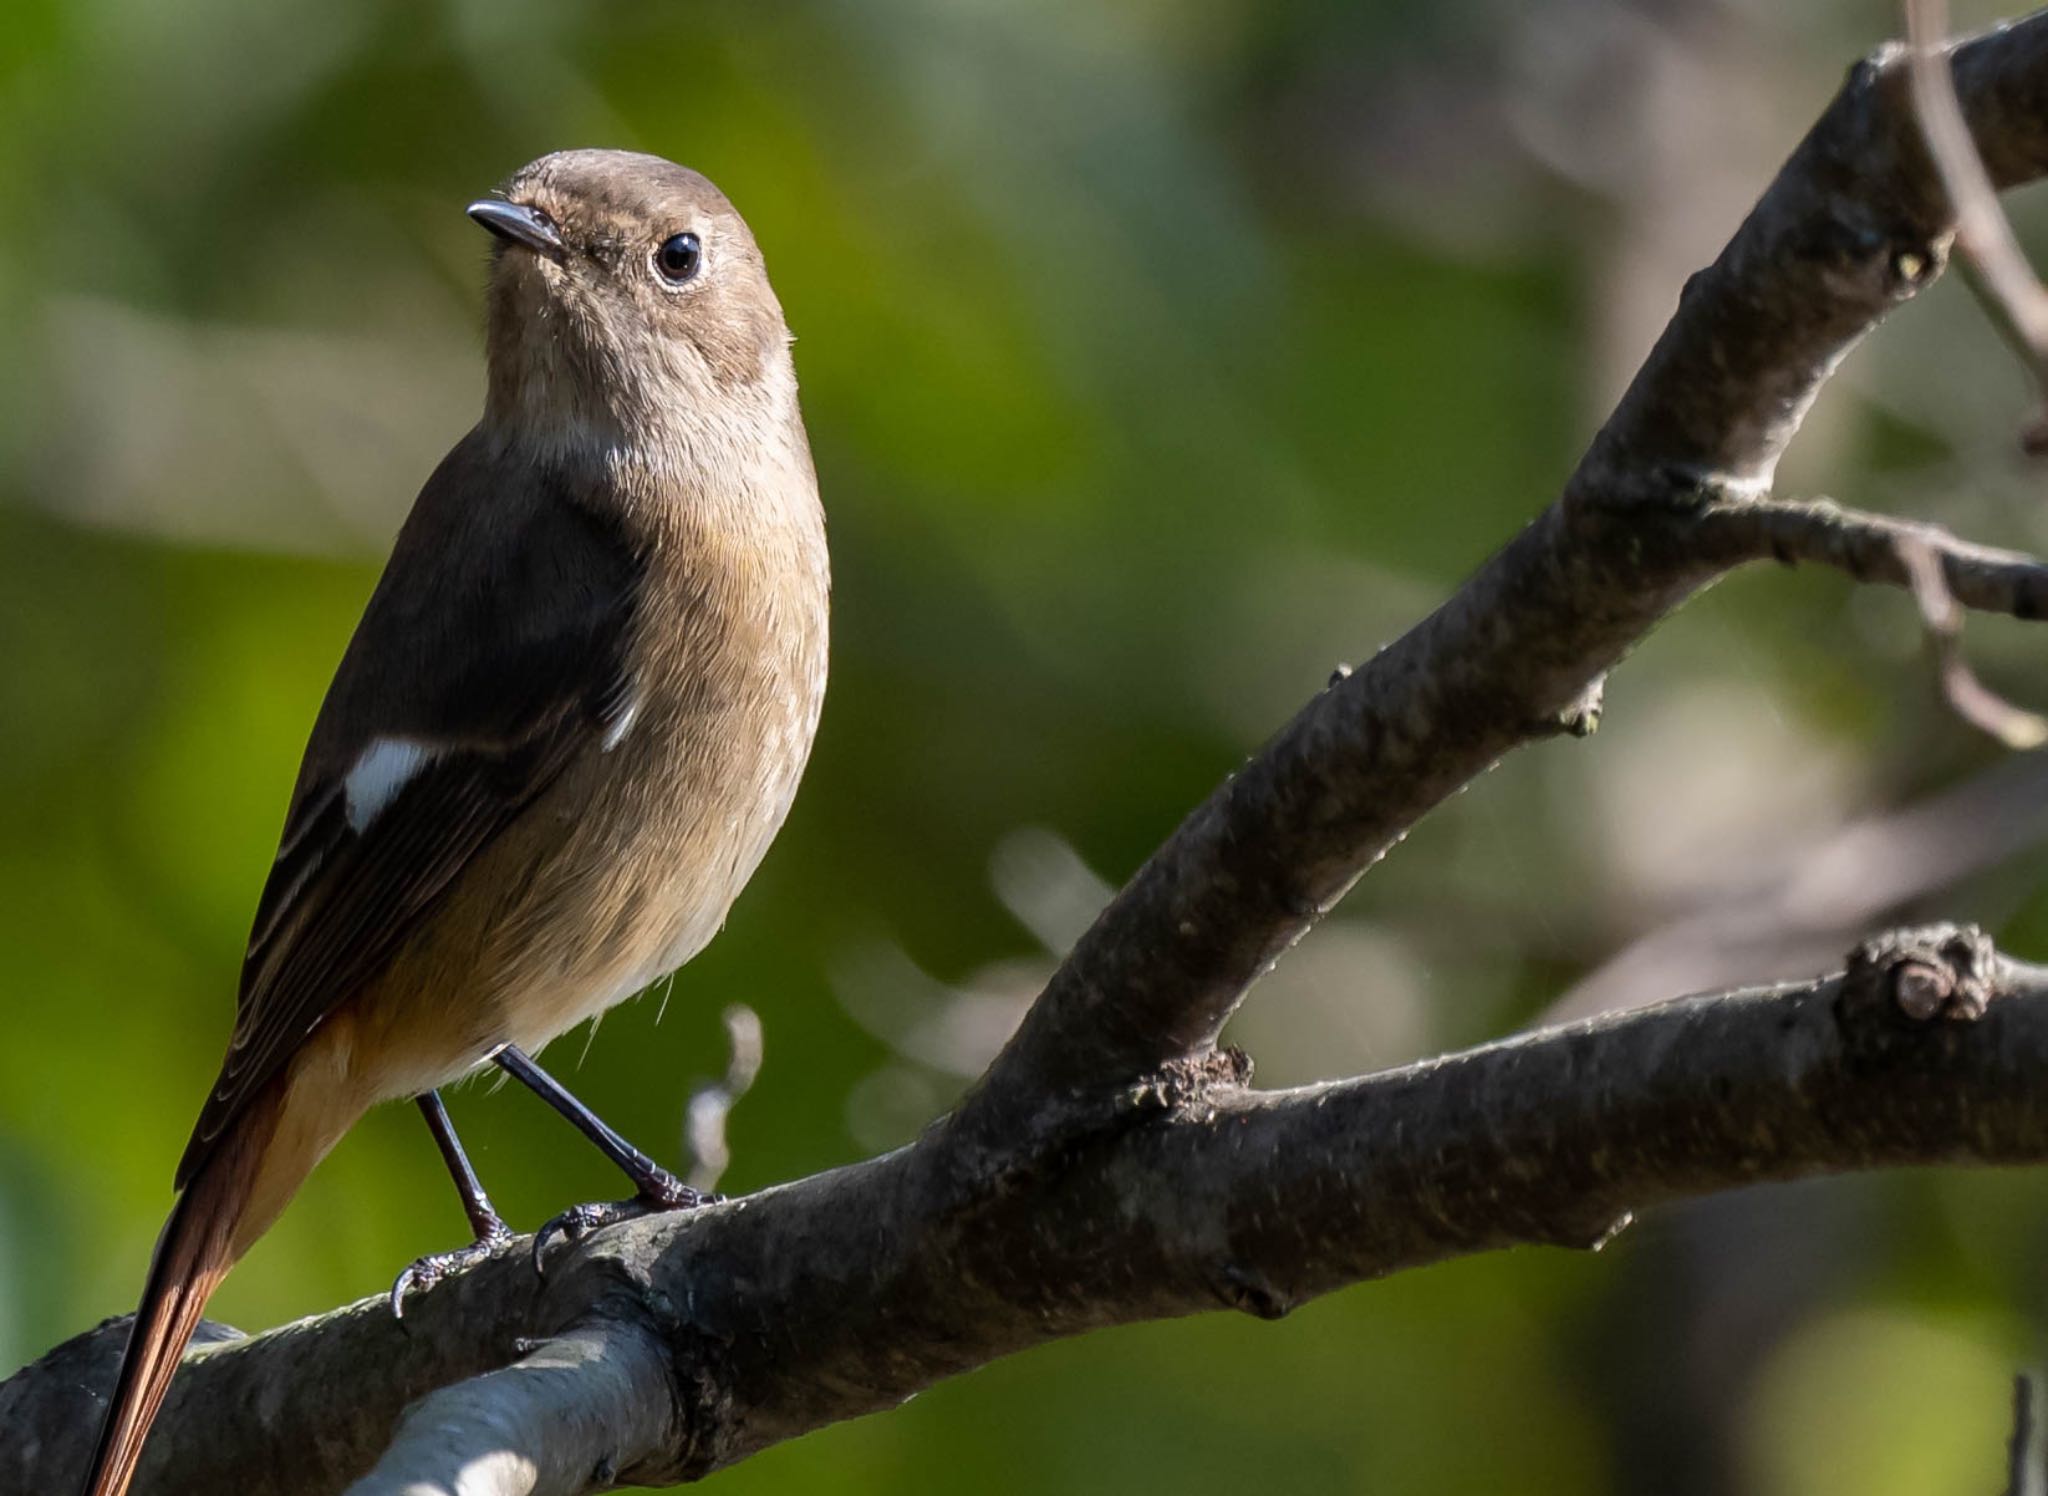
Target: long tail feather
198, 1246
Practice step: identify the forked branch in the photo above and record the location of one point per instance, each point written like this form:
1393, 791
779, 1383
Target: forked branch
1113, 1165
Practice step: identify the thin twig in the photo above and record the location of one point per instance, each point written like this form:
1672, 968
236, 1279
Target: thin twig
711, 1104
1975, 702
1112, 1167
2026, 1460
1867, 547
1944, 574
1993, 262
2007, 285
846, 1292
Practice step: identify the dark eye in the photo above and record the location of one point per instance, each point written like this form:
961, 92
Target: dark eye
678, 258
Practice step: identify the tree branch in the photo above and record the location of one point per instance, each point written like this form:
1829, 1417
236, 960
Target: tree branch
686, 1343
1111, 1166
1856, 223
1866, 548
1992, 258
559, 1419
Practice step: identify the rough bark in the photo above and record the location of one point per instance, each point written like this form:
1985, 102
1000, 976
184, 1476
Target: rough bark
1113, 1165
675, 1346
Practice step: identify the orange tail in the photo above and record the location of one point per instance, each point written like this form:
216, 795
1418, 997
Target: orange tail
198, 1245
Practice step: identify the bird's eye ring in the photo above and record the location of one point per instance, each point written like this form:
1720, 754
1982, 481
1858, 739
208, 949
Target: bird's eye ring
678, 258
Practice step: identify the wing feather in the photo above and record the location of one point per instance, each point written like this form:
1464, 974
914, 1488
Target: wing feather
503, 683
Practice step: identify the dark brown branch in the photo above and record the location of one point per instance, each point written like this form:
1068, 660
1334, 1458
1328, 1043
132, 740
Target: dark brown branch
1111, 1166
1855, 223
688, 1343
1866, 547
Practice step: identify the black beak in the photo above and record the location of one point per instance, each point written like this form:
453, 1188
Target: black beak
516, 223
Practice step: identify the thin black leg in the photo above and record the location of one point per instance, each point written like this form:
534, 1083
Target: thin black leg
483, 1220
655, 1188
492, 1234
648, 1177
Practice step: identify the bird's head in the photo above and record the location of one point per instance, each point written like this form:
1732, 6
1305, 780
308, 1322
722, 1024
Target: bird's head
628, 302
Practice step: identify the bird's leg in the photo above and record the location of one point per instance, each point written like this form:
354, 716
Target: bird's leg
492, 1234
655, 1188
483, 1220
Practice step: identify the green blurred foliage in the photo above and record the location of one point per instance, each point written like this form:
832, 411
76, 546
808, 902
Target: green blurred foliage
1157, 357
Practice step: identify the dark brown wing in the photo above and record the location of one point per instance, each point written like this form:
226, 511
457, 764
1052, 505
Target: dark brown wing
492, 654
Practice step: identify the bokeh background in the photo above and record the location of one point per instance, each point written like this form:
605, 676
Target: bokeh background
1158, 356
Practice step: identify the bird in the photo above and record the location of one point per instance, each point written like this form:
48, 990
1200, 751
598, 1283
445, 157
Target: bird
570, 722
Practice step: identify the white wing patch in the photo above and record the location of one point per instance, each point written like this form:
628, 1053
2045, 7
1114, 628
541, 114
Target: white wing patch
616, 733
379, 774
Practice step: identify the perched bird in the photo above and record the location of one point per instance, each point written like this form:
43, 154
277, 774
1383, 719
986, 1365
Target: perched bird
570, 722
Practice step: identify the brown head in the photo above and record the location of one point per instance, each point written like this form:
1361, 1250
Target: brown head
628, 305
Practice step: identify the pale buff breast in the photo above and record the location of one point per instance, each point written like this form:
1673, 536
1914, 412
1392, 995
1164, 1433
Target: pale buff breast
627, 867
666, 823
620, 875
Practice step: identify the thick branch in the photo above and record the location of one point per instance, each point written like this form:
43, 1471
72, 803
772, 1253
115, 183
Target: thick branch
720, 1333
1855, 223
1111, 1166
558, 1419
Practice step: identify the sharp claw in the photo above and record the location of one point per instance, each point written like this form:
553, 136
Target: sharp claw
571, 1226
663, 1194
419, 1276
428, 1271
541, 1238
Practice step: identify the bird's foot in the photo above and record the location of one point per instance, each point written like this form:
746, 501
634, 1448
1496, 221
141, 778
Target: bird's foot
494, 1238
660, 1191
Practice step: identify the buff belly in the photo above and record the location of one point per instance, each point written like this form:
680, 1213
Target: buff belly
598, 893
